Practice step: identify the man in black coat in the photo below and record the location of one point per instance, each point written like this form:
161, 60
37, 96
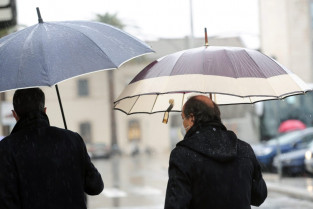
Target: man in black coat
211, 168
43, 167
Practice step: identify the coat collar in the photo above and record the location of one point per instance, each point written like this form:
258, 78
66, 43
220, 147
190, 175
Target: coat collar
33, 119
212, 141
204, 126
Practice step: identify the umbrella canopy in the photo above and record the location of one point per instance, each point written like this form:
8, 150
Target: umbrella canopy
291, 125
232, 75
49, 52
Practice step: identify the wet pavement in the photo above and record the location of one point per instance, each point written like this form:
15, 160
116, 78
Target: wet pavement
300, 187
281, 201
132, 182
140, 182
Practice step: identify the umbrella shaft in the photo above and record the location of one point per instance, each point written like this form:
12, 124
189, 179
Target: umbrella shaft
60, 103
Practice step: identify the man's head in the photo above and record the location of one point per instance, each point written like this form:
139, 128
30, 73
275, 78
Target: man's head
198, 110
28, 100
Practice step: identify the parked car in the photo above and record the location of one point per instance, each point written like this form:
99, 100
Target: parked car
309, 160
292, 163
98, 150
290, 141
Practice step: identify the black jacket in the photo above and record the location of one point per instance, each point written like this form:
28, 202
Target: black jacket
211, 168
44, 167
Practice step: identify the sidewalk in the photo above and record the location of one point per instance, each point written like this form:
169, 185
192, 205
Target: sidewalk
297, 187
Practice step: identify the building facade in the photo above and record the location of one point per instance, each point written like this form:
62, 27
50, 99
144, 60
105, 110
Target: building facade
286, 34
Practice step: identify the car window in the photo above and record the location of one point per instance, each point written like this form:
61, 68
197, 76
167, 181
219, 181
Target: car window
305, 142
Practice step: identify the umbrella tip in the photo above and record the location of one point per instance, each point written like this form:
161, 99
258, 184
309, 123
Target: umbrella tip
39, 15
206, 37
167, 113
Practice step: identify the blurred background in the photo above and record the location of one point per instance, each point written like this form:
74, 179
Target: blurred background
281, 29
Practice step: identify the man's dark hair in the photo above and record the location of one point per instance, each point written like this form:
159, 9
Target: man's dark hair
202, 111
28, 100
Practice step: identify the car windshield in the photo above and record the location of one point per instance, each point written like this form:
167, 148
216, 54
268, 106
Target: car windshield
285, 139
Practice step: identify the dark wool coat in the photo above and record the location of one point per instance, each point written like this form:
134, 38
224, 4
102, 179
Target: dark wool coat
44, 167
212, 169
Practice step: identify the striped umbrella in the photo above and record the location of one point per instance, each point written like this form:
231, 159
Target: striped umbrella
229, 75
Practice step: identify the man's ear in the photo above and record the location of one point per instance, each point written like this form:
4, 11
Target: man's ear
15, 115
45, 109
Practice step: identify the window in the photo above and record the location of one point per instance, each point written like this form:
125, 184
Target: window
8, 13
85, 131
134, 132
83, 87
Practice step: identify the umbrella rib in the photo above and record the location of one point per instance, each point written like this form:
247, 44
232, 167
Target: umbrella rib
45, 66
224, 104
87, 38
263, 74
180, 57
206, 92
133, 105
235, 71
154, 102
250, 100
232, 64
275, 93
26, 41
14, 35
260, 71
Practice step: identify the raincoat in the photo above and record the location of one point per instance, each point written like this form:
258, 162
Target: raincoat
212, 169
45, 167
